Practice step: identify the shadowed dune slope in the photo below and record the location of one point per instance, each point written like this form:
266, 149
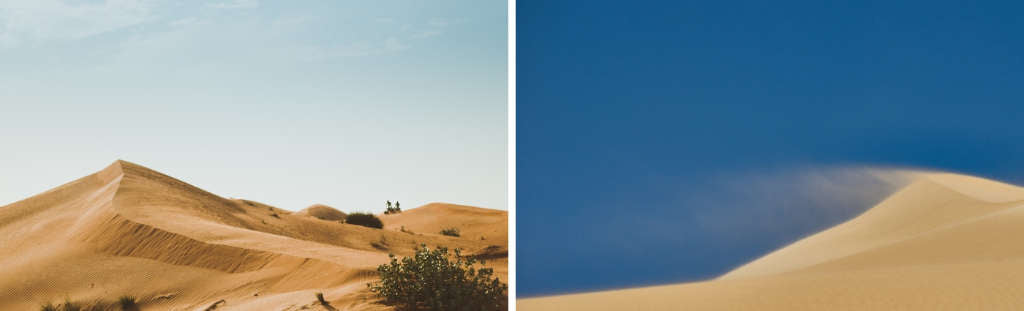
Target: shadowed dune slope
946, 241
129, 230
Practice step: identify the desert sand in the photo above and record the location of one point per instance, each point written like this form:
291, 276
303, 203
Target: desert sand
944, 242
323, 212
129, 230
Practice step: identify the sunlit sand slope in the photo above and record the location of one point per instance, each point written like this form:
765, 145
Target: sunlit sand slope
485, 226
129, 230
944, 242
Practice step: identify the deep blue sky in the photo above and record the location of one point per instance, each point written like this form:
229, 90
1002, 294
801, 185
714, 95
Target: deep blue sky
636, 120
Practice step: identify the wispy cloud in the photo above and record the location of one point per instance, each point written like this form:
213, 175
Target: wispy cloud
311, 53
428, 33
185, 22
393, 44
142, 30
40, 21
439, 22
236, 4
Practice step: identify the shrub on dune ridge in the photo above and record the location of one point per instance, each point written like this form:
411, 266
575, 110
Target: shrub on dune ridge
392, 209
435, 280
365, 220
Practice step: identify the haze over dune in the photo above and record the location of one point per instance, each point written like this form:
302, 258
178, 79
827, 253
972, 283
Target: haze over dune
129, 230
943, 242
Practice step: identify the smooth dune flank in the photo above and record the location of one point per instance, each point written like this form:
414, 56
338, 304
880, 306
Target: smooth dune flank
944, 242
129, 230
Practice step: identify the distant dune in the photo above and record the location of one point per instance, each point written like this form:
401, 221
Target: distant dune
473, 222
129, 230
323, 212
944, 242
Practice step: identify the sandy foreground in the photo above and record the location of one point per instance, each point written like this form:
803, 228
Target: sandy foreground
129, 230
944, 242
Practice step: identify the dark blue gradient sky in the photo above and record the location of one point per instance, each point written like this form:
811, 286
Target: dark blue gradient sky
637, 120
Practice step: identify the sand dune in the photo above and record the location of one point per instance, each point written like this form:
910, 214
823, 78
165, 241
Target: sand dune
944, 242
129, 230
486, 226
472, 222
322, 212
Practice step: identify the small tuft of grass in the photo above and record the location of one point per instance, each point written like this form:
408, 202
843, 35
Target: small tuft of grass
128, 302
381, 244
101, 305
450, 232
47, 307
70, 305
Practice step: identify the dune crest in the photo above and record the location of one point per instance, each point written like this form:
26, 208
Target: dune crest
130, 230
322, 212
945, 241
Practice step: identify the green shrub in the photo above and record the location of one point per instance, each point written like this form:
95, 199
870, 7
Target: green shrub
364, 219
450, 232
434, 280
48, 307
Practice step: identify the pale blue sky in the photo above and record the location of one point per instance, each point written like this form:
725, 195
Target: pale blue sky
346, 103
